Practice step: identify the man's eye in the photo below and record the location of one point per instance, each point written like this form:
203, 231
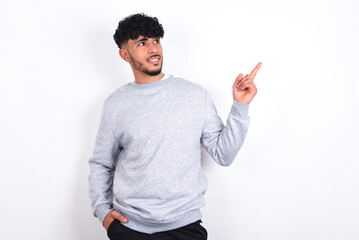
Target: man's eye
141, 44
156, 41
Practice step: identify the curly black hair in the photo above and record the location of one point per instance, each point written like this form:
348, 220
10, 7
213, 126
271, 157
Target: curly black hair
135, 25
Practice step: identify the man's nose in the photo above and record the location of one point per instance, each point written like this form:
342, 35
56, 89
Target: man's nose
152, 48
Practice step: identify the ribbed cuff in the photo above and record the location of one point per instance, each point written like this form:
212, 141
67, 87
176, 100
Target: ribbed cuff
101, 211
240, 110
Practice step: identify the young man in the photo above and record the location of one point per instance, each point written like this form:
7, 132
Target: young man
146, 180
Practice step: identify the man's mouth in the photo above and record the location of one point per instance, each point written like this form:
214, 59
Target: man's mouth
154, 59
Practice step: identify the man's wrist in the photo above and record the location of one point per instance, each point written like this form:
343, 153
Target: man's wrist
102, 211
239, 110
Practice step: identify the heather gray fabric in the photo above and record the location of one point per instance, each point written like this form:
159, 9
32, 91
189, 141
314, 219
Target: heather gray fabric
156, 130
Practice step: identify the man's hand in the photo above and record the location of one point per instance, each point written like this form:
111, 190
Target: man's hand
244, 89
112, 215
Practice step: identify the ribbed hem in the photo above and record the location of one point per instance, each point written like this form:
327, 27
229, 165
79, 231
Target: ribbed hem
140, 224
240, 110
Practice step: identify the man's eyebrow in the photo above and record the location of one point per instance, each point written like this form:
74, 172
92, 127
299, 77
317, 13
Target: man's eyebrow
142, 39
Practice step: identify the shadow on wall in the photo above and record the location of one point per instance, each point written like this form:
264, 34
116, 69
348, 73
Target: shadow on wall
84, 224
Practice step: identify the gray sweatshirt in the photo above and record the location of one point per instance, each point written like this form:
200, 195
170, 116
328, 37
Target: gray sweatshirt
146, 162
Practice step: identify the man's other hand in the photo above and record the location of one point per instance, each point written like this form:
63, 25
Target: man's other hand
244, 88
112, 215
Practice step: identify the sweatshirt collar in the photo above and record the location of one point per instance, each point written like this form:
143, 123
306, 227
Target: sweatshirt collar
167, 78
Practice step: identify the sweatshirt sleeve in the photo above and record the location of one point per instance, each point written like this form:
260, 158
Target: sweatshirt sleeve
223, 142
102, 167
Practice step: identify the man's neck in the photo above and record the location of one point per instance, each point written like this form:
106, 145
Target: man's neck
142, 78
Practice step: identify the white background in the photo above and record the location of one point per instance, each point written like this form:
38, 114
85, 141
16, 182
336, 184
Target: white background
296, 176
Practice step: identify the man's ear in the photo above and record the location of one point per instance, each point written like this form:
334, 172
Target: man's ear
124, 55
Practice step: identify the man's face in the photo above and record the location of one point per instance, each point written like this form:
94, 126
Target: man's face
145, 55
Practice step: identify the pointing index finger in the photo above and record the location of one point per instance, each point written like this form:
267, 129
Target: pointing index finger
255, 70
